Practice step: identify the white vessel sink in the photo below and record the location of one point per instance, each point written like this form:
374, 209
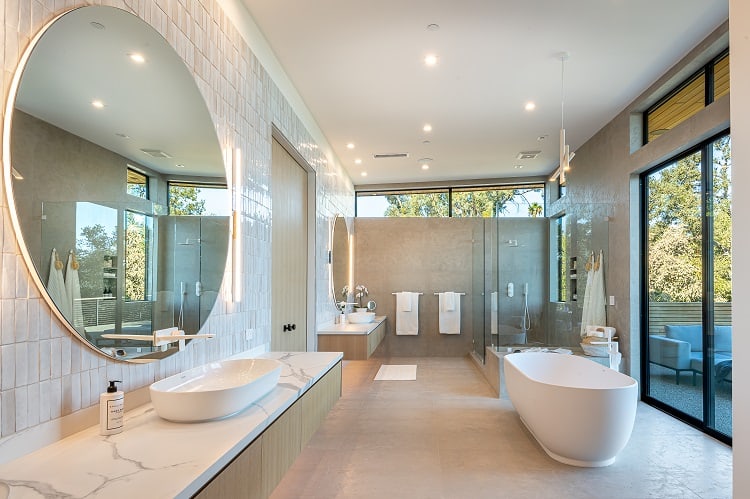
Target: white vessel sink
361, 317
214, 390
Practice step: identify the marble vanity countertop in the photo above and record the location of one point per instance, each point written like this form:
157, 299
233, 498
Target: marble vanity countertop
349, 328
153, 457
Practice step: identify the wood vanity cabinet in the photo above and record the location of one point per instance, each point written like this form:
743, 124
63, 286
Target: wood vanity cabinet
355, 346
256, 471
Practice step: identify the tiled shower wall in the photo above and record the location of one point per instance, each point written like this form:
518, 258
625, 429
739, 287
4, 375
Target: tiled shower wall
47, 373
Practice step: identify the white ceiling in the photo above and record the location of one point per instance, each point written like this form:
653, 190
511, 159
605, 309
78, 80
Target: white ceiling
358, 66
157, 105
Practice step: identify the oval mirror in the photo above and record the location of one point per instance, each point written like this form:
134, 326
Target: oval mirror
116, 182
340, 260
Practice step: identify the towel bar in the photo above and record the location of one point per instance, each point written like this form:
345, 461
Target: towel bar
417, 293
462, 294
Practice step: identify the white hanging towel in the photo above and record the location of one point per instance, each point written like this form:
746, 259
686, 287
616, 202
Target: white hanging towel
598, 301
594, 303
407, 313
56, 286
403, 301
449, 314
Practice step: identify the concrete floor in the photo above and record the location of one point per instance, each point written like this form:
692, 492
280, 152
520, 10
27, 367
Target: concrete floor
447, 436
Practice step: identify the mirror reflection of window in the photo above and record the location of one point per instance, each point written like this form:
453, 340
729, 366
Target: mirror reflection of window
96, 249
188, 198
137, 306
137, 184
138, 237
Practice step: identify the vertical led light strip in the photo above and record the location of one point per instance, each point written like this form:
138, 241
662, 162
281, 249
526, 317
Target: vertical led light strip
351, 265
236, 226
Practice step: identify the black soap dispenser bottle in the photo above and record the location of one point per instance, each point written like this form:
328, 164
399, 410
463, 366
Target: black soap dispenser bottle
111, 410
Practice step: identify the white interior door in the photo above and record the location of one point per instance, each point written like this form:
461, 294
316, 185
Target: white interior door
289, 243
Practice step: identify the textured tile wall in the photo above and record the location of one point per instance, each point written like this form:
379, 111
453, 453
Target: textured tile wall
45, 372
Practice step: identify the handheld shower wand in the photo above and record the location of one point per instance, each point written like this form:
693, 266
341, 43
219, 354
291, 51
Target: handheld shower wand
525, 317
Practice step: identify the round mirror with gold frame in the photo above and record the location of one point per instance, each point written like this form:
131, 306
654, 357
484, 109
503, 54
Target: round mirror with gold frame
115, 182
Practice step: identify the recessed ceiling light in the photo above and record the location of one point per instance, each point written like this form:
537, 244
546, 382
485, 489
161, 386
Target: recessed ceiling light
357, 161
518, 167
136, 57
530, 106
425, 166
97, 103
122, 135
430, 60
427, 128
433, 27
425, 142
180, 165
364, 174
350, 145
96, 25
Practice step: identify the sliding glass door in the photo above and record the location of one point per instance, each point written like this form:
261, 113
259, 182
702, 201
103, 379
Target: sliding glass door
687, 318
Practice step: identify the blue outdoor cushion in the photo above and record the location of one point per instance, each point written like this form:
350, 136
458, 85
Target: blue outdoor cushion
692, 333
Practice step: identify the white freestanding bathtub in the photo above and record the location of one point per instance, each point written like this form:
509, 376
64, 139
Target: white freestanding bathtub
580, 412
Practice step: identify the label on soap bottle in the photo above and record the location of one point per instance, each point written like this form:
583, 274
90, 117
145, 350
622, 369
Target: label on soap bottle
115, 411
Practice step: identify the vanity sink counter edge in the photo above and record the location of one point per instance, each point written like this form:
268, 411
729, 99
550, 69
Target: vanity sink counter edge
153, 457
349, 328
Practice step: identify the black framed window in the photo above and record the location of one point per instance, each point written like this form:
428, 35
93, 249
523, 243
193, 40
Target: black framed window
686, 287
689, 97
191, 198
137, 184
522, 200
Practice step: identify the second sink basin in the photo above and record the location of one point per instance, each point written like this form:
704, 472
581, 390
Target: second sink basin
361, 317
214, 390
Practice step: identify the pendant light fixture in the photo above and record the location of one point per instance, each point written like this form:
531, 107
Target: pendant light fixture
565, 155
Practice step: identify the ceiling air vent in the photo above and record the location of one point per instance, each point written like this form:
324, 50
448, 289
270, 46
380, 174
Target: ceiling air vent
156, 153
391, 155
528, 154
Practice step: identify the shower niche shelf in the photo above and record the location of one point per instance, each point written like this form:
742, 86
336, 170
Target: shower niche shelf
573, 277
109, 276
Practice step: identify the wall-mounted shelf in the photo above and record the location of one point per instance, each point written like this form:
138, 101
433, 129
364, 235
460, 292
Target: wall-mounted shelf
573, 278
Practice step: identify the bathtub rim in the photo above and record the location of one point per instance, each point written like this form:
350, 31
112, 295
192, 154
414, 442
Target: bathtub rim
630, 380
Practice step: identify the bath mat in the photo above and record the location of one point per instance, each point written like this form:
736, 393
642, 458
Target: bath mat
397, 373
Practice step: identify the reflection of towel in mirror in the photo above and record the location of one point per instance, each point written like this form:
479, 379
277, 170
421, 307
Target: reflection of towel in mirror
73, 292
449, 315
407, 321
56, 286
